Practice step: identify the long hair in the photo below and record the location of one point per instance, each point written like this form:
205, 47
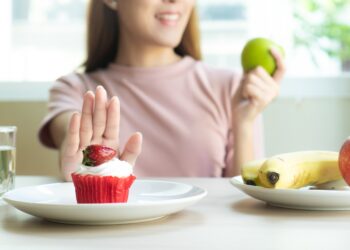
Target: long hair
103, 37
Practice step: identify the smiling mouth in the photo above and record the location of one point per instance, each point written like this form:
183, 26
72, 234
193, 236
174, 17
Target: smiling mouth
169, 19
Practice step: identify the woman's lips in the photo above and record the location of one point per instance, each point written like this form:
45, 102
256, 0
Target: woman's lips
168, 18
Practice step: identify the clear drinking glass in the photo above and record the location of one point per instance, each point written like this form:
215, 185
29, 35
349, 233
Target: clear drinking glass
7, 158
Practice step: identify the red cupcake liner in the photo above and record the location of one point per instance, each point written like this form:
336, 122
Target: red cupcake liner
102, 189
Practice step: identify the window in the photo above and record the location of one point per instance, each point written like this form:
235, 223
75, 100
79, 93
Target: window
224, 29
43, 40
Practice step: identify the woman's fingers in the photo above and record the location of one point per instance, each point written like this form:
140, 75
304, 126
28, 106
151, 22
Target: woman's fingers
252, 79
72, 144
111, 133
100, 119
99, 114
85, 132
132, 148
280, 65
263, 81
269, 84
264, 76
256, 95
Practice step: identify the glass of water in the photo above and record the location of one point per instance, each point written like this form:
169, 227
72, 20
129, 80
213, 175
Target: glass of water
7, 158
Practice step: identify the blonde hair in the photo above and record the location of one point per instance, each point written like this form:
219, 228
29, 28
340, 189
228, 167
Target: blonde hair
103, 36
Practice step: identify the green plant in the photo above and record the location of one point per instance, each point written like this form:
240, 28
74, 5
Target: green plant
323, 24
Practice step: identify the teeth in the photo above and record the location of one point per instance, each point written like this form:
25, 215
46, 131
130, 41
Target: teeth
168, 17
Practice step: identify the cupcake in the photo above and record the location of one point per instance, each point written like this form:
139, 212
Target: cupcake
102, 178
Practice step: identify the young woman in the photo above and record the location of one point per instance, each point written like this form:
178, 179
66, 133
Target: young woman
143, 73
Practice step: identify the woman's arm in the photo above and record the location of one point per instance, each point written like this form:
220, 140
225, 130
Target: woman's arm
58, 127
58, 130
257, 89
243, 148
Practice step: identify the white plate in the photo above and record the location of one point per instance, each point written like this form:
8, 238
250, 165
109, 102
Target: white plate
337, 197
148, 200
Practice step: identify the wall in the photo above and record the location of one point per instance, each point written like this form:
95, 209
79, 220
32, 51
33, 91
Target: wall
32, 158
308, 124
311, 113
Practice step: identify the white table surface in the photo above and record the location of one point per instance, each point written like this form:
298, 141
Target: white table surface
225, 219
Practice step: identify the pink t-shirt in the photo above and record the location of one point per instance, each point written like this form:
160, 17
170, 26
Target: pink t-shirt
183, 111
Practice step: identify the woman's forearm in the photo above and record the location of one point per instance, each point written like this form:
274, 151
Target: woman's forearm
58, 128
243, 148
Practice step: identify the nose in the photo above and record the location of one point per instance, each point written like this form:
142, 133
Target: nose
169, 1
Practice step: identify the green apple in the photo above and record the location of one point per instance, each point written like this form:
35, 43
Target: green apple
257, 53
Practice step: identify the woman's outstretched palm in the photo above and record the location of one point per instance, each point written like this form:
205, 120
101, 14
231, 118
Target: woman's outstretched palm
97, 124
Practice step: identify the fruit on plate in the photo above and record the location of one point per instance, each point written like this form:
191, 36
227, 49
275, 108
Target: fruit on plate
344, 160
250, 172
257, 53
95, 155
299, 169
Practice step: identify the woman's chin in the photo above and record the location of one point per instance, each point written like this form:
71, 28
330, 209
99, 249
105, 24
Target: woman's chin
168, 42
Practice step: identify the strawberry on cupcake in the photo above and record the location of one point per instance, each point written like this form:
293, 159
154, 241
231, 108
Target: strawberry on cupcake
102, 178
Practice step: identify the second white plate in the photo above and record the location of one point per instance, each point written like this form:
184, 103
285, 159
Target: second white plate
148, 200
305, 198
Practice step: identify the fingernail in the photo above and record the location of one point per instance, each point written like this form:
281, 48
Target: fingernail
99, 87
140, 134
259, 68
89, 92
115, 99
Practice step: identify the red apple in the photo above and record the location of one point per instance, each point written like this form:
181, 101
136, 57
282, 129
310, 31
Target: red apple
344, 161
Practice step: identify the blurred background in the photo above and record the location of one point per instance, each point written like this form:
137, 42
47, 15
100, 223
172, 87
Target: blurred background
42, 40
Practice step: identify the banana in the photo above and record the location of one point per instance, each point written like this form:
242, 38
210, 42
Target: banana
250, 172
299, 169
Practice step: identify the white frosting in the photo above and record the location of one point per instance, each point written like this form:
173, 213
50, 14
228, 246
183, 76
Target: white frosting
114, 167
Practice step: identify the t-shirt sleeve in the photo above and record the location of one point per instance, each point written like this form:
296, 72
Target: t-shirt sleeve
66, 94
258, 130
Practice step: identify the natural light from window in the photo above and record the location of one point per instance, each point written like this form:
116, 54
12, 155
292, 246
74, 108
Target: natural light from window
42, 40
